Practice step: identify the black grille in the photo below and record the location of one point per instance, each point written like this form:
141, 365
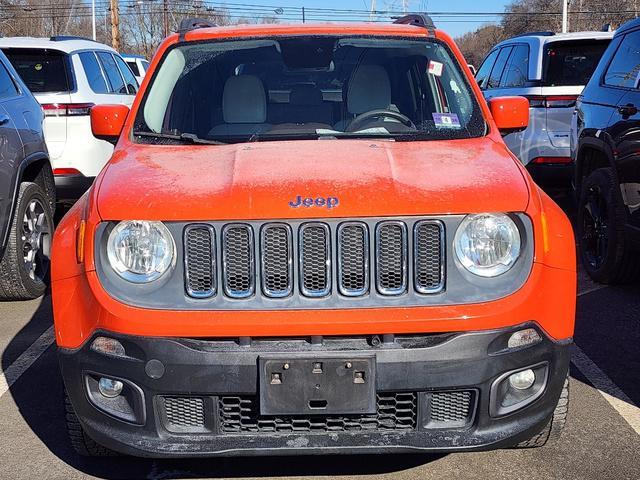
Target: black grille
238, 263
450, 409
391, 258
199, 244
353, 259
315, 261
276, 260
240, 414
184, 412
428, 262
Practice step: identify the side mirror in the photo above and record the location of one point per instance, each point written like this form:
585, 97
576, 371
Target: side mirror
107, 121
511, 114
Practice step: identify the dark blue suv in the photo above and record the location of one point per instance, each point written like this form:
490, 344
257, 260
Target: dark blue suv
605, 146
27, 191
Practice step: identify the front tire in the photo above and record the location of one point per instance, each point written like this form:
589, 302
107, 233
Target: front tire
82, 443
551, 432
24, 268
605, 251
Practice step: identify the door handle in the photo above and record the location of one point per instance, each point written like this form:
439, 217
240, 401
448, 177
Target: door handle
4, 119
628, 110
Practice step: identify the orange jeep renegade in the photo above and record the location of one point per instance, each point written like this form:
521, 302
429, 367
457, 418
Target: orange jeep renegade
312, 239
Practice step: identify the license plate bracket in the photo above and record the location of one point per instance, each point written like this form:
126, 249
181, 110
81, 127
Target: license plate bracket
322, 385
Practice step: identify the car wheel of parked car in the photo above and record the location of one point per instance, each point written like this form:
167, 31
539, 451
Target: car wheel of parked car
25, 264
80, 441
606, 254
552, 431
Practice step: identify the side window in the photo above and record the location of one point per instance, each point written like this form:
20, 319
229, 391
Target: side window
145, 65
624, 70
485, 69
93, 72
7, 87
113, 74
517, 72
134, 67
498, 68
132, 83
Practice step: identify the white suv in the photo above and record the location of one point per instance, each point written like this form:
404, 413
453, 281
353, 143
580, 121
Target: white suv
68, 75
138, 65
550, 70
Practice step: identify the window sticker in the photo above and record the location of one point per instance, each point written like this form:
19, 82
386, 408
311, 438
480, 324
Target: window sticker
454, 87
446, 120
435, 68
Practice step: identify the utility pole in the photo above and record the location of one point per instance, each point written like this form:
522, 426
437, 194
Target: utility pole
373, 10
115, 25
303, 17
93, 18
565, 15
165, 17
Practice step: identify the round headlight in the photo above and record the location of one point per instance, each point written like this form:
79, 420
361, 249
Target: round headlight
487, 244
140, 251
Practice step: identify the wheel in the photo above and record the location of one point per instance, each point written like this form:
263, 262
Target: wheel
604, 248
80, 441
24, 267
551, 432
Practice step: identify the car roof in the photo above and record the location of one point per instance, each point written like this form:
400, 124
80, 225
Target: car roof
625, 27
541, 38
62, 44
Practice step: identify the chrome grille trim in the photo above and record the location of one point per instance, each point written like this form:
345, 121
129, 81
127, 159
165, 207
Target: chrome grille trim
384, 263
307, 266
353, 267
436, 262
234, 271
195, 270
266, 256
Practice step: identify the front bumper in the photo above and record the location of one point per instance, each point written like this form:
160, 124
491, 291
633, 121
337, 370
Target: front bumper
433, 394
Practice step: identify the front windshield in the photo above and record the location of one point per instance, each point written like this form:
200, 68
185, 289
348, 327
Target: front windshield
309, 87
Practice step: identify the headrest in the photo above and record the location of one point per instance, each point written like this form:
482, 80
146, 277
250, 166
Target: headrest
305, 95
369, 89
244, 100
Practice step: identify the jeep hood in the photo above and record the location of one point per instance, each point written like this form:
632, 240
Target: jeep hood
259, 180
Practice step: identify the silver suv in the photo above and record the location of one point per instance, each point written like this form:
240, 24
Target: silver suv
550, 70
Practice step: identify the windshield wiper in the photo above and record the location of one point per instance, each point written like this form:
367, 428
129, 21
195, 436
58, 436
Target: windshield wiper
182, 137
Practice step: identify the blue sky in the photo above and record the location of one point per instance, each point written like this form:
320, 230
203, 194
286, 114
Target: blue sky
455, 26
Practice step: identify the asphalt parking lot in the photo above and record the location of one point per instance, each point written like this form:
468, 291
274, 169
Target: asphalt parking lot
601, 440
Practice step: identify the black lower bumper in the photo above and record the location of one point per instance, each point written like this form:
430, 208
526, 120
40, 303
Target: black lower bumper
72, 187
185, 397
552, 175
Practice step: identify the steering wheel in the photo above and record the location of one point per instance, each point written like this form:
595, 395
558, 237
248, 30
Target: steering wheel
358, 122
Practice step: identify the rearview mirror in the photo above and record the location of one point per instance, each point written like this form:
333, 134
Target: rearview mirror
511, 114
107, 121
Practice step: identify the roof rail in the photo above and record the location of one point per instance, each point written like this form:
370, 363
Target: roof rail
188, 24
63, 38
419, 20
533, 34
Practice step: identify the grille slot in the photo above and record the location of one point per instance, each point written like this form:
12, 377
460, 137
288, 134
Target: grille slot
276, 260
200, 261
450, 409
241, 414
315, 260
391, 258
238, 269
353, 259
184, 413
428, 245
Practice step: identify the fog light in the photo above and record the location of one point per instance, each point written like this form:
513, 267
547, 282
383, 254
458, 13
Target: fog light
522, 338
108, 346
522, 380
109, 387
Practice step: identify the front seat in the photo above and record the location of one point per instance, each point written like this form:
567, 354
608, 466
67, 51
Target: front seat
369, 89
244, 107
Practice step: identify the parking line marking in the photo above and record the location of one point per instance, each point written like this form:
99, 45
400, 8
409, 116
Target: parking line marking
595, 288
619, 400
25, 360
